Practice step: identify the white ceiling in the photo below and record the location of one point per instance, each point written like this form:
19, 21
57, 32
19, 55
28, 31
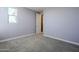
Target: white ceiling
37, 9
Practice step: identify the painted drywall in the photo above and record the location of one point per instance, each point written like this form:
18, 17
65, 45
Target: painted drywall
25, 23
62, 23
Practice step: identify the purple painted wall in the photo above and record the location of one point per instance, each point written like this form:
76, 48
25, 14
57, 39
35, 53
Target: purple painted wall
25, 23
62, 23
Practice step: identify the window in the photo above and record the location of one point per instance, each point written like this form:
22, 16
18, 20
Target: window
12, 12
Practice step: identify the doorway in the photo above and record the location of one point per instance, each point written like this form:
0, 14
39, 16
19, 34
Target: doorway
39, 23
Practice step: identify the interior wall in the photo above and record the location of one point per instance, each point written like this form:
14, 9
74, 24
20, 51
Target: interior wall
25, 25
62, 23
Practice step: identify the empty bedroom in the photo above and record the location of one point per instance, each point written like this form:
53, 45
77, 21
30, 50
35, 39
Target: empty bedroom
39, 29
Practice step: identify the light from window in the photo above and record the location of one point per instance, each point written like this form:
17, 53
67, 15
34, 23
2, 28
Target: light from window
12, 12
12, 19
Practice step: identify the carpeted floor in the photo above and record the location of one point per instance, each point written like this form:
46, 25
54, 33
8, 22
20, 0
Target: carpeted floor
37, 43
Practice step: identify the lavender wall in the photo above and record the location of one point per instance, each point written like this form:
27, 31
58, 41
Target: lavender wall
25, 23
62, 23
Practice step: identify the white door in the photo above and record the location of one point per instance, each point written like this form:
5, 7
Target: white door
38, 23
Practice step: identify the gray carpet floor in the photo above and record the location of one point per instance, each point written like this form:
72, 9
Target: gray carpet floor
37, 43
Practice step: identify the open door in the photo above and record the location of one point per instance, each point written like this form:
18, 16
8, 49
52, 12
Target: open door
39, 23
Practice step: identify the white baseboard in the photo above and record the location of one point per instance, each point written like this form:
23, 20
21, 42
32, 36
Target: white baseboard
75, 43
17, 37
